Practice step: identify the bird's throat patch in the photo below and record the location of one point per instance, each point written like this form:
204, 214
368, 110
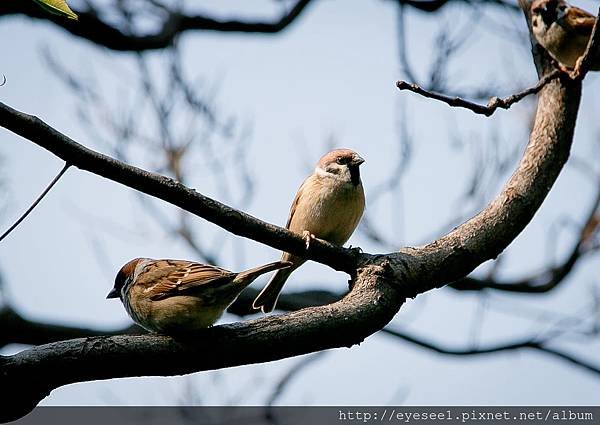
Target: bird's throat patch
354, 174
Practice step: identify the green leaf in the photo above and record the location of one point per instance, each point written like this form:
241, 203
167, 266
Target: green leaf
57, 7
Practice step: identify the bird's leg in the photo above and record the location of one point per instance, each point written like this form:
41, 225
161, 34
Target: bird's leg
308, 237
574, 74
562, 68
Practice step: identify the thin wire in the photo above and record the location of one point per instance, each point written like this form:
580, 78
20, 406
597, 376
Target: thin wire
37, 201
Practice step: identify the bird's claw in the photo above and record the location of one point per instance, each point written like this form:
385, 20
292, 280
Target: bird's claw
576, 72
308, 237
355, 249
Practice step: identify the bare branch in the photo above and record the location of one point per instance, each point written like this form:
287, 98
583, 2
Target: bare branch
527, 343
36, 202
16, 329
91, 27
493, 104
435, 5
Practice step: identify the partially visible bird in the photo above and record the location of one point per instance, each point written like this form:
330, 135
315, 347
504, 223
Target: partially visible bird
328, 206
177, 296
564, 31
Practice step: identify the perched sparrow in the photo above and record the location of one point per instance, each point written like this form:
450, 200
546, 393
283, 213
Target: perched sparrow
175, 296
328, 205
564, 31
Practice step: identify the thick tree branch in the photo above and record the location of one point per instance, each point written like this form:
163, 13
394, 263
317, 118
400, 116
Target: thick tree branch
18, 330
15, 329
91, 27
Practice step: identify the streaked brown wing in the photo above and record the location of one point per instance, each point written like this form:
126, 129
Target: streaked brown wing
295, 204
579, 21
166, 278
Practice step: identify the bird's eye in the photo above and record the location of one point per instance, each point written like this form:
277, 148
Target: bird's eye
340, 161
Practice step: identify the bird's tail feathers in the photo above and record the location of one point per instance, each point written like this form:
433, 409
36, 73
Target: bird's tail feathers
267, 298
248, 276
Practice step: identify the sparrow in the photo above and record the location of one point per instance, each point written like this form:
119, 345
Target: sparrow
328, 206
564, 31
176, 296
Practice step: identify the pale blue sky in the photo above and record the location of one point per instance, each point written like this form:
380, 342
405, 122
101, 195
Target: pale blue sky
331, 73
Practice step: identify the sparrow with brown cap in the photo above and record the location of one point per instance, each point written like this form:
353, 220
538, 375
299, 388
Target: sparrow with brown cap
328, 206
177, 296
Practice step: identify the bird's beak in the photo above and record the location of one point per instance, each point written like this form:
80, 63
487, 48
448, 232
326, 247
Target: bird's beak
113, 293
357, 160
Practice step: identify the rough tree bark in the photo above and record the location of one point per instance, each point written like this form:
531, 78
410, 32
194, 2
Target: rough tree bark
380, 283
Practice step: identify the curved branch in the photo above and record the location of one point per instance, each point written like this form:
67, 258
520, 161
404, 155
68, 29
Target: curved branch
548, 279
435, 5
528, 343
91, 27
18, 330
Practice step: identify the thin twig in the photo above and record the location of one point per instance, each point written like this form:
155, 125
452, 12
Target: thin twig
493, 104
585, 62
290, 375
516, 345
37, 201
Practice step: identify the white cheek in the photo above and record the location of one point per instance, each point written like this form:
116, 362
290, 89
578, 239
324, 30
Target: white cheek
321, 172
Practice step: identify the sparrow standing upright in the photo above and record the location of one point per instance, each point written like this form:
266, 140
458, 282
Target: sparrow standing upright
175, 296
328, 205
564, 31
